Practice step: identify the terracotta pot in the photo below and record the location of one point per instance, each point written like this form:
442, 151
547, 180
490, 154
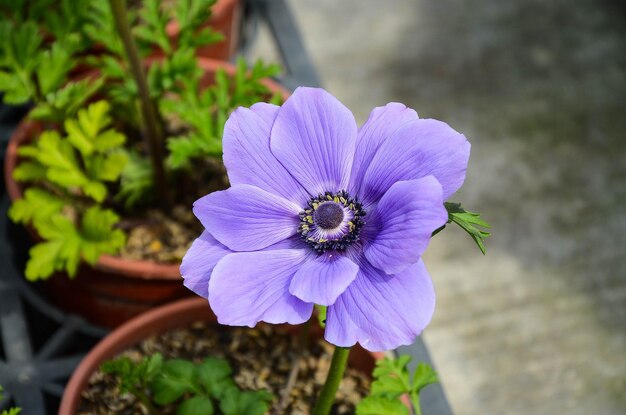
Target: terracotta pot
226, 19
160, 320
115, 289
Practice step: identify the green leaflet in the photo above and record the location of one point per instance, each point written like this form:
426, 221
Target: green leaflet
36, 205
236, 402
392, 379
136, 181
65, 102
470, 222
195, 406
215, 377
65, 245
175, 379
381, 405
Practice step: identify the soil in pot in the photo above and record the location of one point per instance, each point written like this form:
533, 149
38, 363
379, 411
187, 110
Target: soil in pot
261, 358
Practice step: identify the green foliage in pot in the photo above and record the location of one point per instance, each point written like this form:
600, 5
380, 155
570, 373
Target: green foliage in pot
204, 388
392, 380
126, 115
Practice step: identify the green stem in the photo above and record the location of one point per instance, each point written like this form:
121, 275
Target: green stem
335, 374
415, 400
151, 131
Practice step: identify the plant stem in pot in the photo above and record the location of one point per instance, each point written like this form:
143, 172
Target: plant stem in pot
151, 126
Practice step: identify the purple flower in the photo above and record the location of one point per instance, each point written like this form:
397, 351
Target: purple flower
321, 212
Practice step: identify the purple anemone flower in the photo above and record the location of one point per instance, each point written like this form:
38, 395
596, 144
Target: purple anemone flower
321, 212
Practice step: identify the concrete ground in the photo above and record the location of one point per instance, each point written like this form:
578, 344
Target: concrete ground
538, 325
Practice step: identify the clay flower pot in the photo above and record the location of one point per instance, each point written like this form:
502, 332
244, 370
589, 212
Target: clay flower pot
115, 289
226, 19
169, 317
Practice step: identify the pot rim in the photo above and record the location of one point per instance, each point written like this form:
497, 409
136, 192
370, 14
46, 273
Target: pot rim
140, 269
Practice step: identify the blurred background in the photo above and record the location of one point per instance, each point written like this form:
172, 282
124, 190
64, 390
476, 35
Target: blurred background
538, 325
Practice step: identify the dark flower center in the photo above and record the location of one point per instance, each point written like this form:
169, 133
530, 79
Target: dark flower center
331, 221
328, 215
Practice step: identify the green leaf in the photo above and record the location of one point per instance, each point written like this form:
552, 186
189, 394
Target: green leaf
29, 69
99, 235
391, 381
175, 379
56, 63
191, 14
197, 405
42, 260
151, 366
136, 181
214, 375
132, 375
65, 245
108, 167
20, 49
64, 17
184, 149
152, 26
108, 140
101, 29
470, 222
96, 190
235, 402
391, 377
88, 156
84, 132
63, 103
424, 375
380, 405
59, 158
28, 171
15, 91
36, 205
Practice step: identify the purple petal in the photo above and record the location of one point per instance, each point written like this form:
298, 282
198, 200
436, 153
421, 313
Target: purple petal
380, 311
381, 124
199, 261
246, 218
323, 279
248, 157
314, 137
406, 217
248, 287
418, 149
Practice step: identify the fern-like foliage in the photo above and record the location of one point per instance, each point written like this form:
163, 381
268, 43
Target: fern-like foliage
71, 173
82, 161
204, 138
33, 70
40, 43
